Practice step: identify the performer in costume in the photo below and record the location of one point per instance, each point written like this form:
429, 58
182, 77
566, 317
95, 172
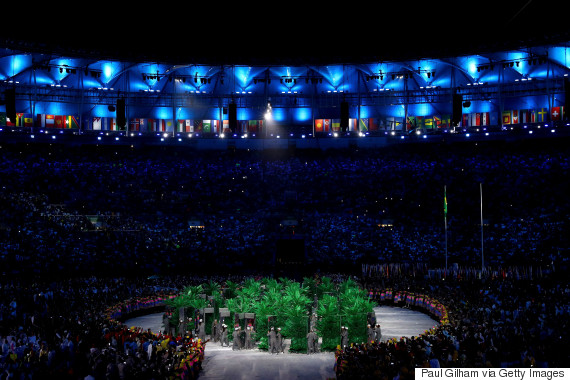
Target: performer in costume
371, 333
312, 342
280, 341
272, 346
202, 330
214, 334
235, 342
378, 332
224, 334
248, 343
344, 337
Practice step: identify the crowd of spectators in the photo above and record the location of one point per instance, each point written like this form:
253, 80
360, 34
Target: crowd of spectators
78, 220
83, 211
492, 322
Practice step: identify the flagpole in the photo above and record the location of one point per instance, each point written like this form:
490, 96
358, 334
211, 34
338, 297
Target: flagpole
482, 256
445, 219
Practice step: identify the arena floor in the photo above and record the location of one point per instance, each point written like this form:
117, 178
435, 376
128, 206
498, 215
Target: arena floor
224, 363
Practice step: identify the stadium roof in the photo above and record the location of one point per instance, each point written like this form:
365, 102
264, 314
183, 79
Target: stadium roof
297, 32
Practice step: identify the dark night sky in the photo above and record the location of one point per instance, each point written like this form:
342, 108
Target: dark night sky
302, 32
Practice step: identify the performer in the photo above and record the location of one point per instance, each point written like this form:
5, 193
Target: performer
235, 342
248, 343
312, 342
344, 337
378, 332
280, 341
219, 330
272, 343
202, 331
371, 333
241, 338
224, 334
214, 334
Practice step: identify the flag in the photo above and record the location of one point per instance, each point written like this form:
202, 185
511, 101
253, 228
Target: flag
373, 124
515, 119
327, 125
71, 122
437, 122
363, 125
198, 125
319, 125
410, 122
524, 116
541, 114
252, 126
351, 124
532, 116
135, 125
336, 125
485, 118
465, 122
556, 113
428, 122
419, 122
445, 201
96, 123
59, 121
506, 117
207, 126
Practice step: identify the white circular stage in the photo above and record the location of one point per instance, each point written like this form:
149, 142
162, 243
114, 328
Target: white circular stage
224, 363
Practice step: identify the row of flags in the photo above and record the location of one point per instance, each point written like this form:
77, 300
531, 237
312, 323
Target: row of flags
532, 115
473, 119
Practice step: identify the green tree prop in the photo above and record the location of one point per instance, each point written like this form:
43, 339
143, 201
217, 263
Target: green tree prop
296, 315
354, 306
289, 304
328, 323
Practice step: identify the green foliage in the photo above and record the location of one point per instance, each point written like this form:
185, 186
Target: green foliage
328, 324
231, 289
289, 304
212, 288
295, 327
326, 287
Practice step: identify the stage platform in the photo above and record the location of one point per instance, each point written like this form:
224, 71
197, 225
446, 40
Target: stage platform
224, 363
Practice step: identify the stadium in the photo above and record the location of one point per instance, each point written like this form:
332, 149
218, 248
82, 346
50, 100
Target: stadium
333, 199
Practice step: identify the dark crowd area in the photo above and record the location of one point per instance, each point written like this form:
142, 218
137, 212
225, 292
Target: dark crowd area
104, 209
84, 228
